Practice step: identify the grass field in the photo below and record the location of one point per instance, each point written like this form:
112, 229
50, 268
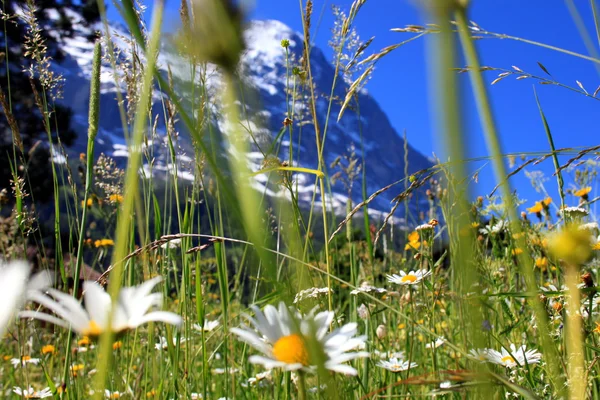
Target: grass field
213, 290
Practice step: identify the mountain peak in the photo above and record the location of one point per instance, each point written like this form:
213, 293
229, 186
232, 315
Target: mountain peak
263, 40
272, 95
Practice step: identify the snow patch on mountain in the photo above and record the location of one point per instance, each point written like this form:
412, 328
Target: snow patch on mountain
265, 73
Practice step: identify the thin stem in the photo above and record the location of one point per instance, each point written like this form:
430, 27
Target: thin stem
301, 386
575, 355
124, 223
558, 173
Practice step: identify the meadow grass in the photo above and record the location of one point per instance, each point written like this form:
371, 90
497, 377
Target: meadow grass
472, 299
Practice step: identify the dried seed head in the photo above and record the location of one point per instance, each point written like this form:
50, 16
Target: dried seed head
381, 331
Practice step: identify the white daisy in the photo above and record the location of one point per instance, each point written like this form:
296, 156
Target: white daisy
132, 309
14, 288
480, 355
411, 278
516, 356
284, 333
396, 364
23, 361
112, 395
499, 226
209, 326
32, 394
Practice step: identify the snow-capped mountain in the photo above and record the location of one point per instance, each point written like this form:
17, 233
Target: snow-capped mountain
264, 72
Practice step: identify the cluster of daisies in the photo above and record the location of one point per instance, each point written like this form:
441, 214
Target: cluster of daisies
512, 357
284, 338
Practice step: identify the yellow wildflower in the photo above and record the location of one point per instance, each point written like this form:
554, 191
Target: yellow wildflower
541, 263
48, 349
571, 245
414, 241
117, 345
583, 192
536, 209
75, 368
115, 198
104, 243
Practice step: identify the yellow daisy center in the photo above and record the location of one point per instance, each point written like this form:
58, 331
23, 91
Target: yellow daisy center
291, 349
408, 278
93, 329
507, 360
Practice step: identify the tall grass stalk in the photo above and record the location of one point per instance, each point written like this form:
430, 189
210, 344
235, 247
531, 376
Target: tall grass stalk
583, 31
319, 143
559, 176
574, 341
93, 124
494, 147
443, 56
596, 19
124, 223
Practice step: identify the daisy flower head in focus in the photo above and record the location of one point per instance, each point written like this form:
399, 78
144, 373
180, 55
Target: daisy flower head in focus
283, 336
134, 307
410, 278
517, 356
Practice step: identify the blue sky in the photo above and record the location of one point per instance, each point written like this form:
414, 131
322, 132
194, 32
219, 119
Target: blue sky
400, 82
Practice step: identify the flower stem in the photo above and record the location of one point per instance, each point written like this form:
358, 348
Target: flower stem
575, 355
301, 386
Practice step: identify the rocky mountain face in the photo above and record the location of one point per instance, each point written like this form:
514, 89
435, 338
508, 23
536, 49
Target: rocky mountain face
265, 103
